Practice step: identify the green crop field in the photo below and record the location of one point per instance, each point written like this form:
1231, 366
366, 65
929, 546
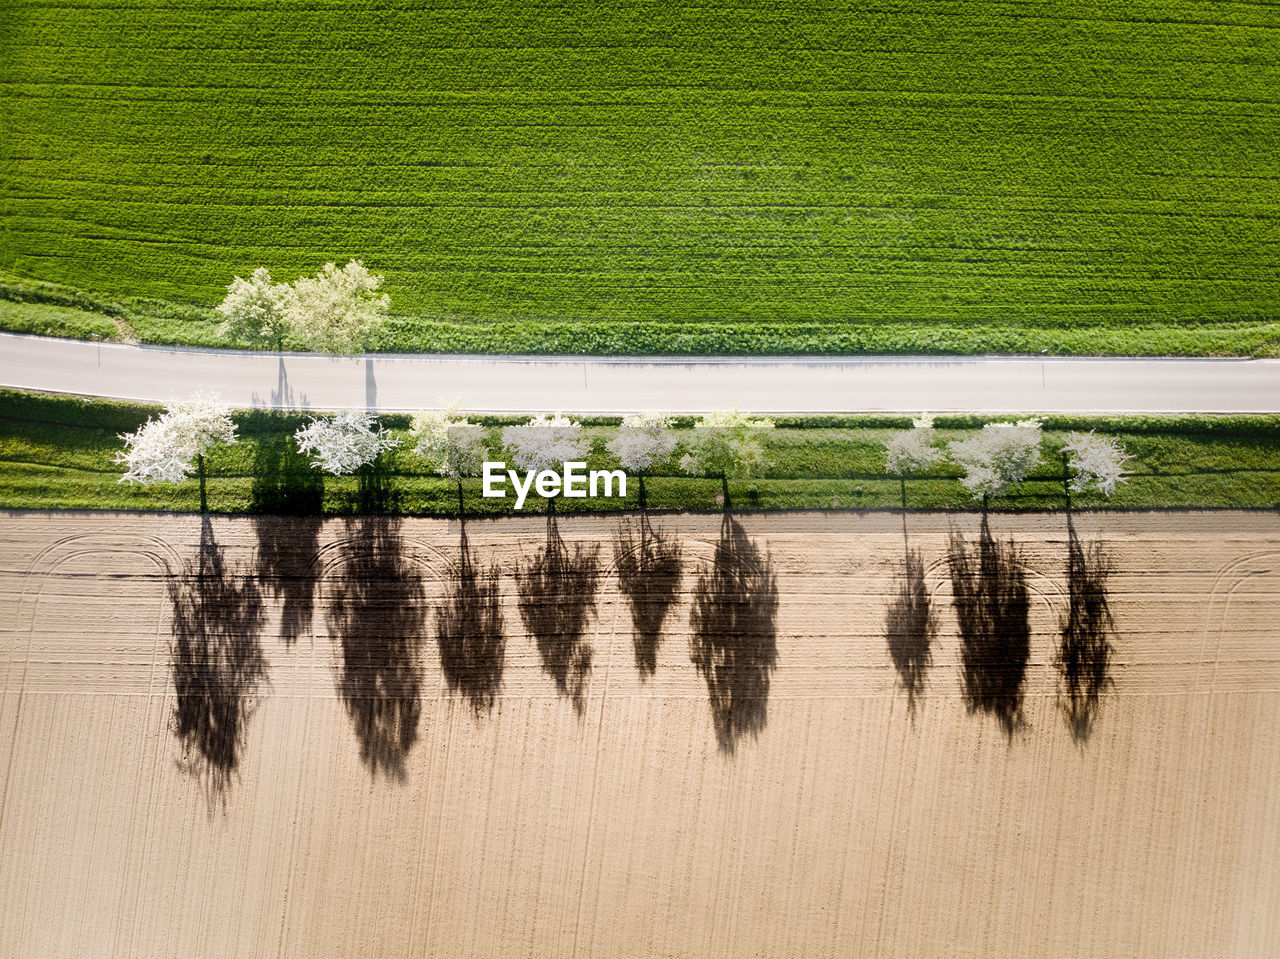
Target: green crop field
623, 177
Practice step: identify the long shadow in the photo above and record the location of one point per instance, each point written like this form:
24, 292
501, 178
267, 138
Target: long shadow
377, 613
374, 495
557, 600
469, 632
909, 624
1084, 656
909, 629
285, 485
370, 385
216, 660
282, 396
734, 634
648, 563
374, 492
993, 609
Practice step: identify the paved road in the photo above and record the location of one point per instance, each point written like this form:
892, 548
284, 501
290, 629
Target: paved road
609, 385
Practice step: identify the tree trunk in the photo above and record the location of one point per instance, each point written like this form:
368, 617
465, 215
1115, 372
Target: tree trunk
204, 502
643, 501
724, 491
551, 522
1066, 482
462, 513
902, 481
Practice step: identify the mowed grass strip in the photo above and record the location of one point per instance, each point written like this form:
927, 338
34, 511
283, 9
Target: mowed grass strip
56, 452
793, 177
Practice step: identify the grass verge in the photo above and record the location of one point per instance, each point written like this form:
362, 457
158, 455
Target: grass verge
49, 309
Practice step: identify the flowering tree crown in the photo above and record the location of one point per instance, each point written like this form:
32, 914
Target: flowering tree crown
341, 444
165, 449
643, 441
1000, 456
727, 443
1096, 461
545, 442
253, 310
452, 445
913, 450
339, 310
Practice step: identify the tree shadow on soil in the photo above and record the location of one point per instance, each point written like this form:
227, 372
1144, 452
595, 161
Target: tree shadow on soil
216, 658
557, 599
377, 613
734, 634
909, 628
1084, 656
993, 609
648, 563
285, 485
469, 631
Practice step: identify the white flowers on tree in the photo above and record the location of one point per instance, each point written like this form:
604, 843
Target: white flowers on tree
337, 311
644, 440
341, 444
450, 444
1096, 461
545, 442
727, 444
912, 451
253, 310
1000, 456
166, 448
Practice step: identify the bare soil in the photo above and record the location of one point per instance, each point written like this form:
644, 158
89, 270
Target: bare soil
324, 788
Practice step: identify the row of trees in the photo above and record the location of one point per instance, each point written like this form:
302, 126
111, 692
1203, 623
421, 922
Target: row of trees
726, 444
988, 580
1001, 455
173, 446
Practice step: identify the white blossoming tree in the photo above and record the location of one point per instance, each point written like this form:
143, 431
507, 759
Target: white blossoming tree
1087, 642
647, 560
337, 311
1094, 461
166, 449
253, 310
999, 457
727, 444
450, 444
644, 440
546, 442
344, 442
908, 452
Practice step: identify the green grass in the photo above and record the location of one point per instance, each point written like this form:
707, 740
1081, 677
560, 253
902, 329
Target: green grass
56, 453
759, 178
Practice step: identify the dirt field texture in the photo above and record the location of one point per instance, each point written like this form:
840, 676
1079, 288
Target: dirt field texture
239, 737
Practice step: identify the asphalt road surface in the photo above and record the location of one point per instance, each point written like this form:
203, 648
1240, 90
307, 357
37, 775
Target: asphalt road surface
620, 385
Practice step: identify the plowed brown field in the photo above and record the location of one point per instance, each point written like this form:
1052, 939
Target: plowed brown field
624, 827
